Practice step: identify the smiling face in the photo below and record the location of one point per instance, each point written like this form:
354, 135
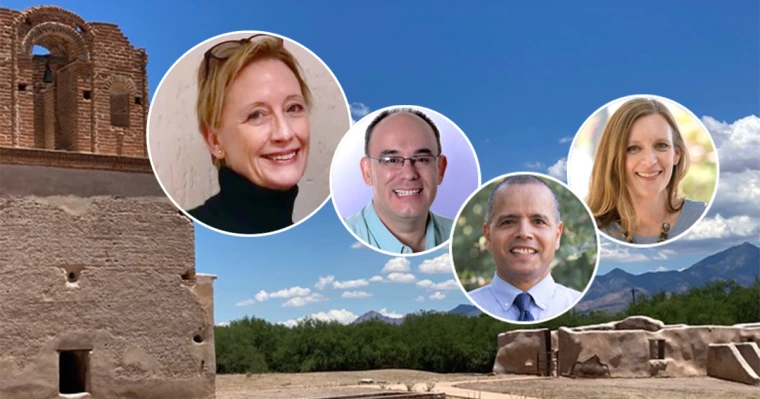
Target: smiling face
404, 193
650, 156
264, 134
522, 235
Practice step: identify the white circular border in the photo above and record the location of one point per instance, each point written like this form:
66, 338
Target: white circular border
596, 263
717, 168
343, 141
158, 89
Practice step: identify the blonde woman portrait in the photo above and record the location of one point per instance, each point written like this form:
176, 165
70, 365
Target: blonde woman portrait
635, 190
254, 116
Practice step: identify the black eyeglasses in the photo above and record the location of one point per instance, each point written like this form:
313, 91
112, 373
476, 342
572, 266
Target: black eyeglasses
392, 162
222, 51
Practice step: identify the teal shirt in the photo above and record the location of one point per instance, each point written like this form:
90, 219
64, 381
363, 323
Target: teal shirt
368, 226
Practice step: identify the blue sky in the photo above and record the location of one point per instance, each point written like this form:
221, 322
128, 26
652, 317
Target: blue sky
518, 78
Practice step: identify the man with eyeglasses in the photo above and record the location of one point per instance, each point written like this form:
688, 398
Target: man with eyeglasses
404, 165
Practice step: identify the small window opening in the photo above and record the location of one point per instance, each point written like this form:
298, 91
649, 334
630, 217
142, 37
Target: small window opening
138, 100
22, 87
73, 277
86, 95
73, 369
197, 338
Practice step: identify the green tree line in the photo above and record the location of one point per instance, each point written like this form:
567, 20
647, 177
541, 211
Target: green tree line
445, 343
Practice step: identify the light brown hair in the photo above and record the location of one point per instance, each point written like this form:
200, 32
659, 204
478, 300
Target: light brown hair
214, 82
609, 199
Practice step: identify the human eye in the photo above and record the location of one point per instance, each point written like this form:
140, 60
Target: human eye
296, 108
632, 148
256, 115
506, 222
662, 146
539, 221
422, 159
390, 160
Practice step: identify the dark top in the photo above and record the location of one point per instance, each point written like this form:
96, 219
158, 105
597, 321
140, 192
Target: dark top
245, 208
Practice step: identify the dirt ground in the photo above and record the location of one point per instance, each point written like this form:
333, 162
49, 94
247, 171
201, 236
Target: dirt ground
316, 385
622, 388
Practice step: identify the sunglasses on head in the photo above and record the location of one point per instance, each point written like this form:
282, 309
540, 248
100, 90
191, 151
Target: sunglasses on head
224, 50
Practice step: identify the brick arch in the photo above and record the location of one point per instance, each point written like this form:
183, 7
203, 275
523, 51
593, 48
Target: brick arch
123, 81
57, 37
39, 14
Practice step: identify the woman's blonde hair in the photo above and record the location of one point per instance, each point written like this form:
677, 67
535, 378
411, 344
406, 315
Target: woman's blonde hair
609, 199
218, 71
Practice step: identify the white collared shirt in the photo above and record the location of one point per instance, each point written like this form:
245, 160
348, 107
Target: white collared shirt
548, 298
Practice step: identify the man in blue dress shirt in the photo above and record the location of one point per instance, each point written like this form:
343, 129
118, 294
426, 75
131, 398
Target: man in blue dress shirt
404, 165
523, 230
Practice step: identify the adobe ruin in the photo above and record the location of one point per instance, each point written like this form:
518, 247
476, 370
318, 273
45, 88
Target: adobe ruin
101, 298
635, 347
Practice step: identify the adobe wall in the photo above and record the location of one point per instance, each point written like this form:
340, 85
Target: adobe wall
517, 351
627, 353
111, 275
726, 362
90, 61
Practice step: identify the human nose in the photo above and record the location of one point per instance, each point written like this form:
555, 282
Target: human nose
408, 170
524, 230
282, 130
649, 157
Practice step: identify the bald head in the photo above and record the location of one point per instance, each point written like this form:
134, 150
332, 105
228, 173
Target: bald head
408, 117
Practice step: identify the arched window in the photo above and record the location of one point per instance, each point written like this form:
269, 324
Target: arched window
119, 105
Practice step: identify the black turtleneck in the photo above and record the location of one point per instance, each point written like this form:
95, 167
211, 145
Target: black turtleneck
245, 208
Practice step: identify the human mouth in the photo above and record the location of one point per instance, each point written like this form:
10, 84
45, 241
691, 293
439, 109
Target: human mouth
407, 193
282, 157
648, 175
523, 251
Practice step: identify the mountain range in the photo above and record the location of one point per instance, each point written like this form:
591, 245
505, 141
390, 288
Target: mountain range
612, 292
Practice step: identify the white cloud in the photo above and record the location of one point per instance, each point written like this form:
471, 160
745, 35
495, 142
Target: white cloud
419, 298
613, 252
247, 302
735, 141
534, 165
396, 265
223, 324
359, 110
559, 169
356, 294
344, 285
400, 278
290, 292
304, 300
357, 245
565, 139
719, 227
437, 296
262, 296
660, 269
377, 279
324, 282
342, 316
385, 312
439, 264
447, 285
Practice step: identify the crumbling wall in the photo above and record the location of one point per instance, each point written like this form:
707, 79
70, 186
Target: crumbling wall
518, 350
635, 353
103, 275
726, 362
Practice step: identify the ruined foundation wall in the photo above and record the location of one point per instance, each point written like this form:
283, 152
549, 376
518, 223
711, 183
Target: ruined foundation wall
517, 351
629, 353
105, 275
